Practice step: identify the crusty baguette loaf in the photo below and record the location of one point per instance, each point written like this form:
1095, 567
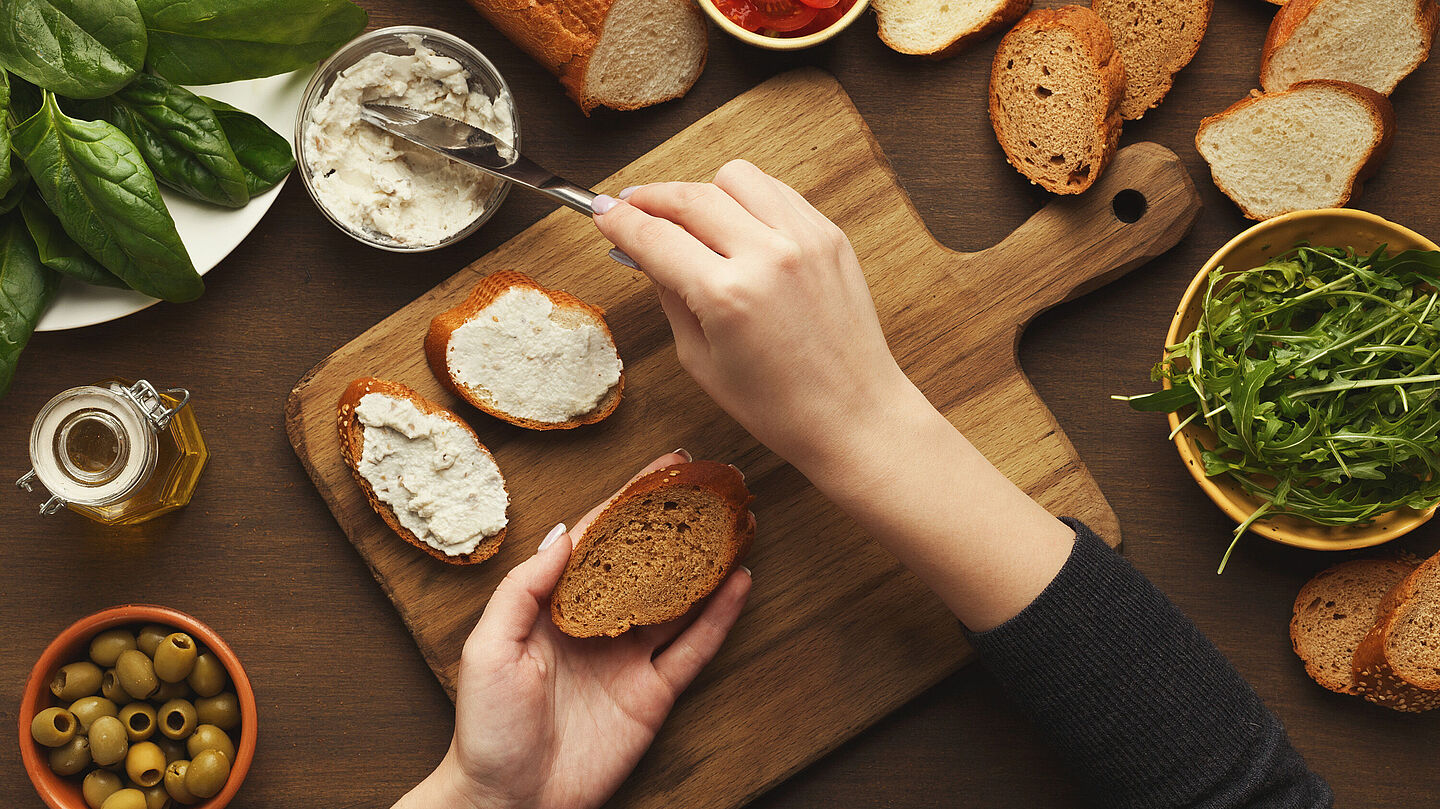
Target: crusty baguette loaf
352, 448
569, 312
662, 544
940, 28
622, 54
1397, 664
1334, 610
1311, 146
1055, 92
1156, 38
1372, 43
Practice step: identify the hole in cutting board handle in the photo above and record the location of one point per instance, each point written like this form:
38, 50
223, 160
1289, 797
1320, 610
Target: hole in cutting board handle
1129, 205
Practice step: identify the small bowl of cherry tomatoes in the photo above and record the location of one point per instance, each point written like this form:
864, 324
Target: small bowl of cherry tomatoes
784, 25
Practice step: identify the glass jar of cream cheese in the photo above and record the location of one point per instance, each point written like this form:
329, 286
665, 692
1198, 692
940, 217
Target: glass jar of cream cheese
118, 452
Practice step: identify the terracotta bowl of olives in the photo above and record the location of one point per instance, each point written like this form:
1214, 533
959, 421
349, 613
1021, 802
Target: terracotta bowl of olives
137, 707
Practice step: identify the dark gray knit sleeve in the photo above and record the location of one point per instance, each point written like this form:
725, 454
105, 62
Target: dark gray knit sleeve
1145, 710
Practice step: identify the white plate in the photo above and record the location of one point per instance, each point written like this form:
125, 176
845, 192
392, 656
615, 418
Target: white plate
208, 231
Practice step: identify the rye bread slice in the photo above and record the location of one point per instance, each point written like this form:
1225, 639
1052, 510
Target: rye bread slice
569, 311
352, 447
1333, 612
661, 545
1156, 39
941, 28
1055, 92
1397, 664
1372, 43
1311, 146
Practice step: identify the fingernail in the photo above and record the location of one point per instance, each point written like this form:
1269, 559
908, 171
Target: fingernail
737, 469
619, 255
682, 453
555, 533
747, 571
627, 191
603, 203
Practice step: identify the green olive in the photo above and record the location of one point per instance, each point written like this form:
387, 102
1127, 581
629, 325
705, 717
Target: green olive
207, 774
137, 674
105, 648
221, 710
175, 657
125, 799
76, 680
169, 691
177, 719
54, 727
88, 709
149, 637
174, 750
208, 678
73, 757
99, 785
139, 721
175, 782
108, 741
110, 688
209, 737
145, 764
156, 797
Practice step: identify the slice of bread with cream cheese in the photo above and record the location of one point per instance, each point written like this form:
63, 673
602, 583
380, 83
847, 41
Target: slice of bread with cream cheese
423, 470
535, 357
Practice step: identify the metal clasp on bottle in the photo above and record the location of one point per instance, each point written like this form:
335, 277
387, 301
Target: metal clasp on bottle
147, 398
54, 504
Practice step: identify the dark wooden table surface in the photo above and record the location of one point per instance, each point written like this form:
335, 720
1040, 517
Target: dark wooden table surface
351, 717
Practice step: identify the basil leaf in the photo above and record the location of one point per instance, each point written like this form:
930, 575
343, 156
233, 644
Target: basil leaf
215, 41
57, 250
180, 138
77, 48
26, 288
263, 153
95, 181
7, 178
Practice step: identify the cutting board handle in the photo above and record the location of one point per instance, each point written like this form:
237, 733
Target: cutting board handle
1143, 205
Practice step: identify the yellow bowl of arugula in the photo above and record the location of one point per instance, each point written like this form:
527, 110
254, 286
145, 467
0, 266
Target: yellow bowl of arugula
1302, 379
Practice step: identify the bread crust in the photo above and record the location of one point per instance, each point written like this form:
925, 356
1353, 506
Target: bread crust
1094, 36
1319, 586
1007, 12
1380, 110
352, 445
437, 343
1167, 80
1375, 678
1292, 15
723, 480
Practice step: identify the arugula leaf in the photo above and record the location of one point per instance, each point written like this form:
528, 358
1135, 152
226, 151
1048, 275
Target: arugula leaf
57, 250
77, 48
264, 154
26, 288
96, 183
215, 41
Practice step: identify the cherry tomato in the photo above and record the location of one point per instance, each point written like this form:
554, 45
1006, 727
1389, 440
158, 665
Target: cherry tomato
767, 15
820, 3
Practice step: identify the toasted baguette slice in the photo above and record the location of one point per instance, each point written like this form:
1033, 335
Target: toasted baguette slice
1311, 146
1333, 612
1156, 38
543, 376
1055, 92
622, 54
941, 28
391, 502
661, 545
1397, 663
1372, 43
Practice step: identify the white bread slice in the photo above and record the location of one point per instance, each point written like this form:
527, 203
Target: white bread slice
1372, 43
1055, 91
661, 545
543, 376
1397, 664
1308, 147
1334, 610
352, 449
941, 28
1156, 38
622, 54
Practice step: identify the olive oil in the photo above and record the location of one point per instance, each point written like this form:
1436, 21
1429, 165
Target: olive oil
118, 452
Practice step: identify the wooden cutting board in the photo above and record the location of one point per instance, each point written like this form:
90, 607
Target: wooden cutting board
836, 634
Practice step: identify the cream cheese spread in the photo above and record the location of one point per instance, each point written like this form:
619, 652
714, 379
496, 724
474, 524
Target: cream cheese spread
530, 366
429, 470
376, 183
